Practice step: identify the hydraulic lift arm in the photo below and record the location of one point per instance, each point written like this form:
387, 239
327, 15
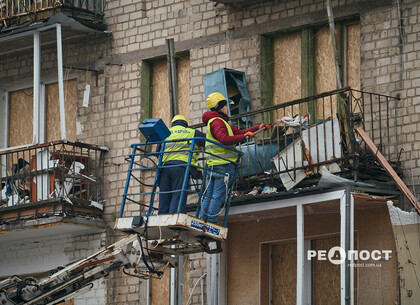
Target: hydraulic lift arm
76, 278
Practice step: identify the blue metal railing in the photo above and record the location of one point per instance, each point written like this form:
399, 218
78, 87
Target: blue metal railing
145, 164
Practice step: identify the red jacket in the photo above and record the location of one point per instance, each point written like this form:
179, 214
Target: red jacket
219, 131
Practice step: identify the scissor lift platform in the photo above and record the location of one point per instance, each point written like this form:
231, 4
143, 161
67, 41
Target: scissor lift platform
176, 234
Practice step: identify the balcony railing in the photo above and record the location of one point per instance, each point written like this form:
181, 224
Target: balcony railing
66, 171
317, 132
18, 8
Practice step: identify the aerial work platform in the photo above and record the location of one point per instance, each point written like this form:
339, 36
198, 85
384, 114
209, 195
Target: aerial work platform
179, 233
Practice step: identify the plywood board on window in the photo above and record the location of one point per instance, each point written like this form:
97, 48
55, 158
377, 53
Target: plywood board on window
160, 288
325, 75
284, 274
21, 113
326, 275
287, 70
183, 74
160, 92
160, 89
353, 57
53, 125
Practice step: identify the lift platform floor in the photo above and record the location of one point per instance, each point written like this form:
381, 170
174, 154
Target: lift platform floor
189, 233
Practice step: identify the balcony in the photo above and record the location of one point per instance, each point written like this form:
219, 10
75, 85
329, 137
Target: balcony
316, 135
51, 186
19, 12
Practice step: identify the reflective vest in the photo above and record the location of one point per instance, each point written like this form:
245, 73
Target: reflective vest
219, 151
180, 151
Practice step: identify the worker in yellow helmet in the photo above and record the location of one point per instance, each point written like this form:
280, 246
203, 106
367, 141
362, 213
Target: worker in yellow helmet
220, 160
175, 160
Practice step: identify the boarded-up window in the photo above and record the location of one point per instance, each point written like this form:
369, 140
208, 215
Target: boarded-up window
160, 288
53, 111
353, 55
21, 113
326, 276
287, 67
284, 274
325, 76
288, 64
160, 92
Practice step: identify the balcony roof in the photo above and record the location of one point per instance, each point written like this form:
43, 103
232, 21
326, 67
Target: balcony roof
20, 38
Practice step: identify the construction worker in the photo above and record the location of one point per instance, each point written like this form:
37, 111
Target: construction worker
175, 160
220, 177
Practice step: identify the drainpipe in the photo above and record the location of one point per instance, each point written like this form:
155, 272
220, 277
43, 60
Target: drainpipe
173, 82
334, 43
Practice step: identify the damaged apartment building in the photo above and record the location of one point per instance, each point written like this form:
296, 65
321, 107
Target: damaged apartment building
340, 168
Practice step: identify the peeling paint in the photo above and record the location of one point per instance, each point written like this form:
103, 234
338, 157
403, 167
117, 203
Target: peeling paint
79, 128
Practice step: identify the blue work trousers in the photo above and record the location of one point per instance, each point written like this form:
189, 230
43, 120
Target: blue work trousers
171, 181
219, 181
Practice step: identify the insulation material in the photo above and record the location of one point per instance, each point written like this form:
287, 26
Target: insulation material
21, 113
287, 71
322, 142
326, 276
183, 75
79, 128
406, 226
86, 95
53, 111
325, 75
284, 274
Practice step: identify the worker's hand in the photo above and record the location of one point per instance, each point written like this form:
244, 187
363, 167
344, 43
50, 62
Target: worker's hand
265, 125
249, 134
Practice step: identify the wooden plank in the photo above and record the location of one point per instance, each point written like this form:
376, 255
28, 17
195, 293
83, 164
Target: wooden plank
53, 127
21, 117
287, 72
381, 159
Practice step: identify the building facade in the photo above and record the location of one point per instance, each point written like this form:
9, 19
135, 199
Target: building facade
115, 74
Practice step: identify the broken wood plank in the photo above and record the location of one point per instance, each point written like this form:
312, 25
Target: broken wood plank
381, 159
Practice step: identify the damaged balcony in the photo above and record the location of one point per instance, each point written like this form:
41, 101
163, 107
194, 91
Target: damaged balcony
52, 187
16, 12
313, 146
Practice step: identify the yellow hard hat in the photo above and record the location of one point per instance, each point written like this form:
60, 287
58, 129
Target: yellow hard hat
179, 117
213, 99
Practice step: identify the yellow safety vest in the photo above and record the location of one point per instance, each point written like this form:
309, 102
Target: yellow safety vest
219, 151
173, 149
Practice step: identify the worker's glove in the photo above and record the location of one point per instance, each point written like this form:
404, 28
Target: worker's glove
264, 125
249, 134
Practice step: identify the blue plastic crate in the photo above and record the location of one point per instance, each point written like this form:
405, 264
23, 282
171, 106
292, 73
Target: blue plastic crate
154, 130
